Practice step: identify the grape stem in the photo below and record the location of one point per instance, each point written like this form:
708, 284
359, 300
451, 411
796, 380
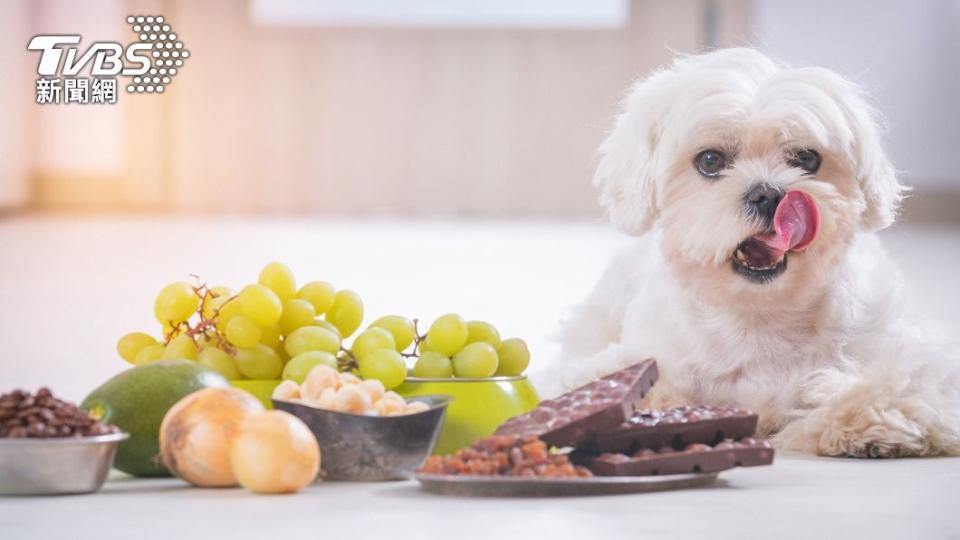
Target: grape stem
205, 327
417, 338
348, 361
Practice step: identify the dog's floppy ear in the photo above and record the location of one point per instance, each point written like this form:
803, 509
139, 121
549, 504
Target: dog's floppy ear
875, 173
626, 173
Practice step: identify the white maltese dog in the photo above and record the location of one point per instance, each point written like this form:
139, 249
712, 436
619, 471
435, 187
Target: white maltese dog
757, 279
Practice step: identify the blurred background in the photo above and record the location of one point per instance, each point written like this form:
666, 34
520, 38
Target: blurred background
430, 107
434, 155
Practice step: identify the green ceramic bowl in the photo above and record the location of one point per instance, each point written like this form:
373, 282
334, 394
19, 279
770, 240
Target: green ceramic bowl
479, 406
261, 389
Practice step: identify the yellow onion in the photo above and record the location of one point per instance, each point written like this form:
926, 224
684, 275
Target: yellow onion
197, 432
275, 452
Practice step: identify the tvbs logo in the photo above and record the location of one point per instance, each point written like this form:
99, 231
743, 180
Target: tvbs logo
107, 57
151, 62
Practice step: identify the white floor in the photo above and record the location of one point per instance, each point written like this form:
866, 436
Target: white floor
69, 286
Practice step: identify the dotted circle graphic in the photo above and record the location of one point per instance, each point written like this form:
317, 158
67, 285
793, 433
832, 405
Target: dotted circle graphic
165, 49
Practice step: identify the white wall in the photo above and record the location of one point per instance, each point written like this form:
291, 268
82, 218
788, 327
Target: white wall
906, 53
79, 140
14, 104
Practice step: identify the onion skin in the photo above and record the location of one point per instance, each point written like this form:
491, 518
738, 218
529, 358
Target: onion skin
275, 452
198, 431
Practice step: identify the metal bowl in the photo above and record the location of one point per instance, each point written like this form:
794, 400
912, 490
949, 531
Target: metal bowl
356, 447
56, 466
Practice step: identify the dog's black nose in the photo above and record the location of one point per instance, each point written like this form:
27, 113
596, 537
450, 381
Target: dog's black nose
763, 199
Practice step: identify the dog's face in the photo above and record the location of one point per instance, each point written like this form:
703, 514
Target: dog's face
756, 176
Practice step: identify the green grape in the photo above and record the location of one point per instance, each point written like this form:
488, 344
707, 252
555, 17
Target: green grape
259, 362
422, 347
433, 365
242, 331
170, 332
130, 344
400, 327
318, 293
329, 326
514, 356
175, 303
296, 313
482, 331
279, 278
218, 360
222, 291
448, 334
385, 365
476, 360
311, 338
228, 311
346, 313
300, 365
260, 304
208, 340
370, 340
150, 353
216, 298
270, 336
181, 347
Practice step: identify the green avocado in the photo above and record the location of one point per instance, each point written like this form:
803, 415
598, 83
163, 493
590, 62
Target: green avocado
136, 401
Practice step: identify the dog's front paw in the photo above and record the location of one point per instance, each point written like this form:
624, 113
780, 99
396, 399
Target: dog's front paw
875, 450
845, 428
871, 434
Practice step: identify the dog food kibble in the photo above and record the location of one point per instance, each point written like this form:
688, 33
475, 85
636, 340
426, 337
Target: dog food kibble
42, 415
504, 455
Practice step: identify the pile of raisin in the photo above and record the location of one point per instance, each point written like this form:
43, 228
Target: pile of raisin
505, 455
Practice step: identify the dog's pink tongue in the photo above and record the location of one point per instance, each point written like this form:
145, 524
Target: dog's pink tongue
795, 223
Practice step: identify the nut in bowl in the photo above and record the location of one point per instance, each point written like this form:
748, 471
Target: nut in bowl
364, 432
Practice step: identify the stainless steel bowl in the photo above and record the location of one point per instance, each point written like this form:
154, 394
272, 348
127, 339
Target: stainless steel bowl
372, 448
55, 466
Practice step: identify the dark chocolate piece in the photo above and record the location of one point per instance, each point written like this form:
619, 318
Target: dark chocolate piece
695, 458
578, 415
678, 427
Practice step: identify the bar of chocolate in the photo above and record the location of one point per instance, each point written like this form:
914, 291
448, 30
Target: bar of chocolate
578, 415
695, 458
677, 427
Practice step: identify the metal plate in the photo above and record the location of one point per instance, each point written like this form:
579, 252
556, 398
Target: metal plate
508, 486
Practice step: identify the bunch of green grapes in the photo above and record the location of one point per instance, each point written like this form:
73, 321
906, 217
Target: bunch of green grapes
452, 347
271, 329
266, 330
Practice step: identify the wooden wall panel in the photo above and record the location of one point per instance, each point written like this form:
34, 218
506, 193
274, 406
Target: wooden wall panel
400, 121
352, 121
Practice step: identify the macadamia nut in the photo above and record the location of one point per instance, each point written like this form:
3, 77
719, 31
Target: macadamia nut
352, 399
287, 391
319, 379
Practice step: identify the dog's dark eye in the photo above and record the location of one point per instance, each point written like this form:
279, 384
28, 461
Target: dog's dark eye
710, 162
807, 160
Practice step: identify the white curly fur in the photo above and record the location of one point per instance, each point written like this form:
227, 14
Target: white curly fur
823, 352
